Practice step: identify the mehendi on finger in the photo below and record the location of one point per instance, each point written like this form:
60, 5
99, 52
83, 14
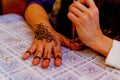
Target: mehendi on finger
28, 52
46, 57
43, 34
37, 56
72, 42
58, 56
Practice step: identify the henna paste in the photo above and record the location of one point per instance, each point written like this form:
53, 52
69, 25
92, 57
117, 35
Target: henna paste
43, 34
58, 56
72, 42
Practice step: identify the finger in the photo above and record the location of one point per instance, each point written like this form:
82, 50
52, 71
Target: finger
77, 39
46, 57
76, 12
73, 17
82, 7
30, 51
82, 1
57, 55
70, 44
38, 55
90, 3
76, 45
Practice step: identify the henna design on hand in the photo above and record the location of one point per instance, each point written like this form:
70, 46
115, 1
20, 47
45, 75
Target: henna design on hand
43, 34
72, 42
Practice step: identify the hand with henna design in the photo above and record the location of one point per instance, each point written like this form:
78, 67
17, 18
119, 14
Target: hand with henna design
45, 43
85, 16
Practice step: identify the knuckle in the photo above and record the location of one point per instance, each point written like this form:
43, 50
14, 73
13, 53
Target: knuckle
76, 4
96, 10
70, 8
93, 13
78, 22
85, 17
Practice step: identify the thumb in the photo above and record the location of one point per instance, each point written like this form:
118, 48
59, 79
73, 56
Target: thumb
70, 44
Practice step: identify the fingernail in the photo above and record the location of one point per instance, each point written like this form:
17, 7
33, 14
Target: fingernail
23, 57
36, 61
45, 64
57, 62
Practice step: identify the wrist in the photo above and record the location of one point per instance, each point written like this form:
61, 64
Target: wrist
44, 25
102, 45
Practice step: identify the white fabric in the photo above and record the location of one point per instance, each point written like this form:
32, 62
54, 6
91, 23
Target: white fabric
113, 58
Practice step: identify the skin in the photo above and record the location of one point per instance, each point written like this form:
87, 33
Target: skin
85, 15
47, 40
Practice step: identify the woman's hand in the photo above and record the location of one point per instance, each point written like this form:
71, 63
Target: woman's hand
46, 43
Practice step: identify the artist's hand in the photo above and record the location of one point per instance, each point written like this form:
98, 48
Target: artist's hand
85, 15
45, 43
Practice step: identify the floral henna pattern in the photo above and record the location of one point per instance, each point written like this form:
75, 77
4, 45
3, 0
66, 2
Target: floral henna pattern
43, 34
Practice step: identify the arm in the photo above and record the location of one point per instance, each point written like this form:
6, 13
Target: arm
47, 40
36, 14
86, 20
